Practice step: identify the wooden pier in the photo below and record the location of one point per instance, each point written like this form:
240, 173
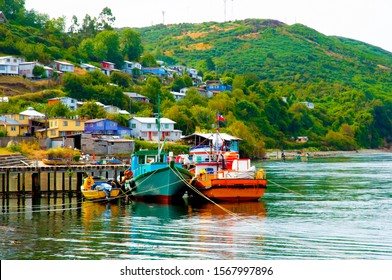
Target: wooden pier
50, 180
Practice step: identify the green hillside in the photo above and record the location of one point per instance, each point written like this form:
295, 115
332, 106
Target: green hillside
273, 50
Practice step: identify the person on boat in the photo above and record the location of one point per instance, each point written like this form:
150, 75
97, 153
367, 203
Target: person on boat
128, 174
107, 188
88, 182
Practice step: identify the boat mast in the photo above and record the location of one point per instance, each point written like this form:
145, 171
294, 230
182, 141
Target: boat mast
158, 122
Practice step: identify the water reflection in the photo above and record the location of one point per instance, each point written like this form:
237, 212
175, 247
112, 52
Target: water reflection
340, 209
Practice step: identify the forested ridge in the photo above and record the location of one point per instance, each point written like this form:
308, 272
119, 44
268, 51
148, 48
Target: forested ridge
272, 66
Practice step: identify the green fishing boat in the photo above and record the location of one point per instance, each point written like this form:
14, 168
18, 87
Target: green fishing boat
157, 178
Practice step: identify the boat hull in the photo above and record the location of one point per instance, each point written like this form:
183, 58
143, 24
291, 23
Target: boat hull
231, 189
100, 195
163, 185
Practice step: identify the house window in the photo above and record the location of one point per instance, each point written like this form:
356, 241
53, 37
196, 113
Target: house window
2, 67
65, 123
21, 118
77, 123
133, 125
13, 128
166, 125
148, 125
52, 132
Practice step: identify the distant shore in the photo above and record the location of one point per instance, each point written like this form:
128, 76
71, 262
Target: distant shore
276, 154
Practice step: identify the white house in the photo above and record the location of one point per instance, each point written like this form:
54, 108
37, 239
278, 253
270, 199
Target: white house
32, 114
9, 65
71, 103
63, 66
129, 65
111, 109
178, 95
26, 69
310, 105
147, 129
88, 67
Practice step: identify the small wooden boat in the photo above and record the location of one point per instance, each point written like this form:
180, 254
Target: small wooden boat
100, 195
99, 190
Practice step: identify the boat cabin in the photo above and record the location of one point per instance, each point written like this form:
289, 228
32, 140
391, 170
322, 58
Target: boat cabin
147, 160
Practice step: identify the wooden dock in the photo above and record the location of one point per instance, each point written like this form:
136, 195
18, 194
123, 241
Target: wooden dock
50, 180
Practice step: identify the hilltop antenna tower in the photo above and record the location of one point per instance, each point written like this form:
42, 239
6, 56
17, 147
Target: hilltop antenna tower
224, 3
232, 10
163, 17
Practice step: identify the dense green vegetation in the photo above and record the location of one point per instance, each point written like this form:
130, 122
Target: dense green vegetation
349, 82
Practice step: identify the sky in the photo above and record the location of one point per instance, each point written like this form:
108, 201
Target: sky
363, 20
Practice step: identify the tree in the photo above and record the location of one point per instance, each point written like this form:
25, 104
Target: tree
149, 60
86, 49
120, 79
57, 109
152, 89
210, 64
105, 19
39, 71
131, 44
12, 9
107, 47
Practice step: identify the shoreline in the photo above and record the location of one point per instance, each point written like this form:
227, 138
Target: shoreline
277, 154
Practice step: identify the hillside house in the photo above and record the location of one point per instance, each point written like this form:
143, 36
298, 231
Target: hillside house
60, 127
309, 105
26, 69
3, 18
159, 71
32, 114
106, 145
129, 66
147, 129
217, 86
108, 67
302, 139
11, 127
4, 99
88, 67
30, 121
111, 109
71, 103
9, 65
63, 66
137, 97
105, 127
178, 95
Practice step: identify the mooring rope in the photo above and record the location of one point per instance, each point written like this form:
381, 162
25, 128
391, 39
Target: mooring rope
179, 175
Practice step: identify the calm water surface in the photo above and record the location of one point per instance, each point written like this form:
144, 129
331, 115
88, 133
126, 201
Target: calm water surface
335, 208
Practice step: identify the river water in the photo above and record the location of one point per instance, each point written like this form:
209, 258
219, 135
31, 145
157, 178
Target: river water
330, 208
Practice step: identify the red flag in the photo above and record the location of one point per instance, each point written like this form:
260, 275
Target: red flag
220, 118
